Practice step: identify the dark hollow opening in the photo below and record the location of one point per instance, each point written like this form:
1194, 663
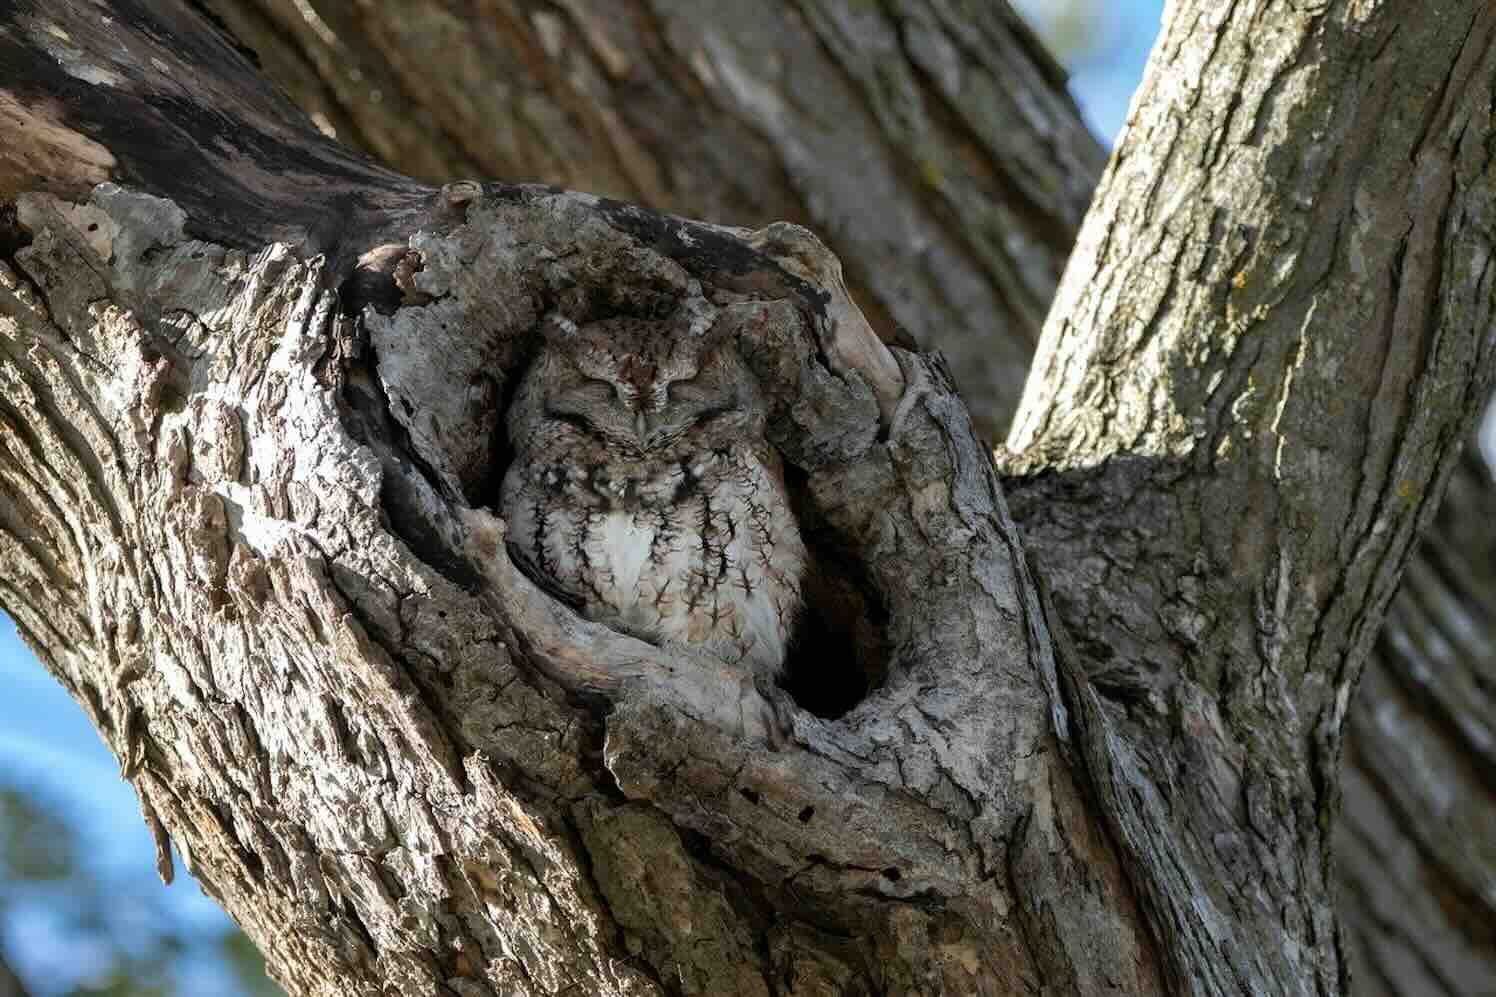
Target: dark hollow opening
839, 652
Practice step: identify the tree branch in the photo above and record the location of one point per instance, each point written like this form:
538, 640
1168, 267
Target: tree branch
246, 507
208, 132
1270, 341
1417, 894
10, 983
950, 117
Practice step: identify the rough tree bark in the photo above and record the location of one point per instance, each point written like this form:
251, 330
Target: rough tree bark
598, 95
1205, 328
262, 568
1413, 847
612, 86
939, 155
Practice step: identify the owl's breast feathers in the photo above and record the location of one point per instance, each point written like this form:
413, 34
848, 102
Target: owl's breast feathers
691, 547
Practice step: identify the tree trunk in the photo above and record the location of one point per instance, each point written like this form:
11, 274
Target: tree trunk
1418, 875
940, 158
1210, 322
243, 520
604, 81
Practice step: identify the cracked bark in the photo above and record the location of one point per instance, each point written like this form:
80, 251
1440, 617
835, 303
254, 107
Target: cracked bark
608, 81
1233, 387
267, 580
1413, 843
947, 112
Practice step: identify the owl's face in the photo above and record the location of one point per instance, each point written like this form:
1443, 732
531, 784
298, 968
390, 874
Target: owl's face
641, 387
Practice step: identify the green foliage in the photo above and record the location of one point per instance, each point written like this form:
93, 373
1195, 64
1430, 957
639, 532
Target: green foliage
1071, 29
116, 939
35, 845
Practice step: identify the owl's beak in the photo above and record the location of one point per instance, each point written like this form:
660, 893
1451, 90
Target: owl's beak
641, 427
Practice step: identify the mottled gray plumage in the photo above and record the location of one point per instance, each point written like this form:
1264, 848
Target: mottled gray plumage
643, 488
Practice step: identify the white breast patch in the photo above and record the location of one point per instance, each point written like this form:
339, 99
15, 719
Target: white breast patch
624, 546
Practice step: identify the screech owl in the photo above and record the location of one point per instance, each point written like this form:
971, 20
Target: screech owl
643, 489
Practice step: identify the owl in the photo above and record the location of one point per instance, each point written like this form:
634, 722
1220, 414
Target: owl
643, 490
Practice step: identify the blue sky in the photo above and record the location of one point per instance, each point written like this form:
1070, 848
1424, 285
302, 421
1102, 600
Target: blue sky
50, 750
1105, 71
47, 745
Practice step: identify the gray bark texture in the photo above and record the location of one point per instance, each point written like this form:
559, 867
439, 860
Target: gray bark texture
929, 142
1414, 843
250, 389
1222, 432
629, 99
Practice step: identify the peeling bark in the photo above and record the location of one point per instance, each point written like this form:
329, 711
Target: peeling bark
245, 525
